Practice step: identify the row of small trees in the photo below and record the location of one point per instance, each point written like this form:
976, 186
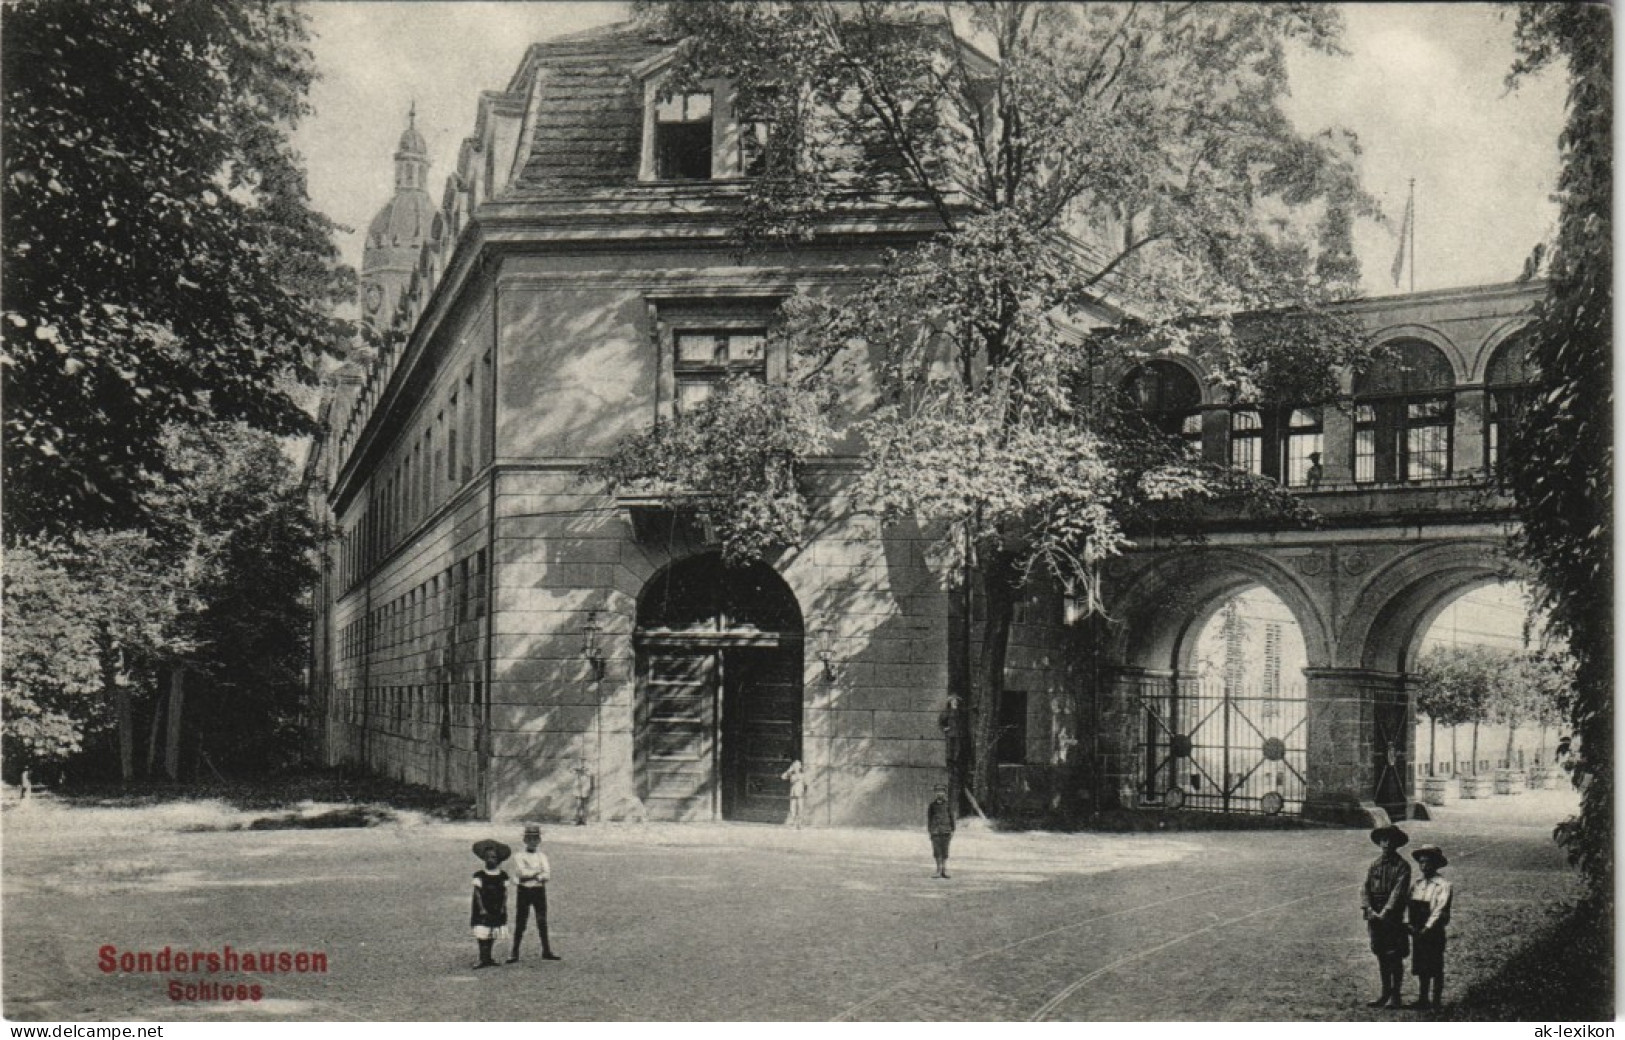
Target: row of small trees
1473, 685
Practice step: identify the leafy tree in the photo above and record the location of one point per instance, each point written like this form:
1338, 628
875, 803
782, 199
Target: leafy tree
1063, 155
215, 592
243, 543
86, 624
163, 264
1563, 475
1454, 686
1529, 688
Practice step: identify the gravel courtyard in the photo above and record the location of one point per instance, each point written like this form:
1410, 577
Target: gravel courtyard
741, 922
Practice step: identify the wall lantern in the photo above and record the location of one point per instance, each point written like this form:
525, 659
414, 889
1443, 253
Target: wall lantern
824, 645
589, 645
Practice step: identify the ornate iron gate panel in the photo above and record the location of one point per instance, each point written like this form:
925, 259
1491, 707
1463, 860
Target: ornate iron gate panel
1207, 744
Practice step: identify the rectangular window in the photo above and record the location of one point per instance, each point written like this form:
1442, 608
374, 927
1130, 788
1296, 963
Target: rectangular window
1011, 748
452, 466
1190, 432
439, 468
706, 358
1365, 443
462, 590
469, 428
1505, 407
1246, 442
479, 584
1304, 445
1427, 439
683, 137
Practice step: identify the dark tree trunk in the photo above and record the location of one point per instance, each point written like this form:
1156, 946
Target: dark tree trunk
113, 684
999, 588
177, 700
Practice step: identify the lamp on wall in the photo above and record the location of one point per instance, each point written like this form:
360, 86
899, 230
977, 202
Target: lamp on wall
589, 645
824, 645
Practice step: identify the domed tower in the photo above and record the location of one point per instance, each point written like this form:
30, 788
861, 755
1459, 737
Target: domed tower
397, 234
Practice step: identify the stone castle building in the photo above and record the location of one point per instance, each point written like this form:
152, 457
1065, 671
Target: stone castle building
489, 622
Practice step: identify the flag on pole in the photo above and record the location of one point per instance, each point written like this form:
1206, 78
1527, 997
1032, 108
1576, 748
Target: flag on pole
1404, 234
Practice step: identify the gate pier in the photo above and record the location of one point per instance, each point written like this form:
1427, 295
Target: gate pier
1360, 734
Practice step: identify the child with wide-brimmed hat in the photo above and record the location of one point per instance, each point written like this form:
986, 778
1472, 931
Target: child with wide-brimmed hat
488, 913
1429, 914
1383, 900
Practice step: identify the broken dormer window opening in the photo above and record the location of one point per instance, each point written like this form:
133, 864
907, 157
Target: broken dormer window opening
683, 137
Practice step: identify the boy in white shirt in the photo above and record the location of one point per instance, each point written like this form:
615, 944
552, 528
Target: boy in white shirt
1429, 914
532, 870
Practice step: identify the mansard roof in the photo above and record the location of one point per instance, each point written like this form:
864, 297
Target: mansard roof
584, 109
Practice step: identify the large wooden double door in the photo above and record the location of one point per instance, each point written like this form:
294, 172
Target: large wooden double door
719, 710
719, 726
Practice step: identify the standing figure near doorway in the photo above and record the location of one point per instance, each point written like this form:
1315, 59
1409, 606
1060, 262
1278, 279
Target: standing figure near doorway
583, 792
939, 824
798, 792
1383, 901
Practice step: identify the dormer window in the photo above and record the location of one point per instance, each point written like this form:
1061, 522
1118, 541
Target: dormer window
683, 137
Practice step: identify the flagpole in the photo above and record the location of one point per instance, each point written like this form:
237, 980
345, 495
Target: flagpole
1412, 207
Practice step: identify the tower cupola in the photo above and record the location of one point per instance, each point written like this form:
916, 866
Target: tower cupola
411, 156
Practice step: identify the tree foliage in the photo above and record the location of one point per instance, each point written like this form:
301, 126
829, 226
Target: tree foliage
740, 457
1458, 685
217, 588
163, 264
1563, 475
82, 619
1453, 683
1071, 161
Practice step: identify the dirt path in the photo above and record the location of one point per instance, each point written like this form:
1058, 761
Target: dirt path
748, 923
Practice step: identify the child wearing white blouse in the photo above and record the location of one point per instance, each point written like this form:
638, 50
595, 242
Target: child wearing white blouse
1429, 913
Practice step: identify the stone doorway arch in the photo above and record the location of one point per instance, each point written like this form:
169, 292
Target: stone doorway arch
719, 713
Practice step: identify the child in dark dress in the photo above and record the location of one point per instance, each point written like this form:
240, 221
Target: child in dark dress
1429, 914
488, 912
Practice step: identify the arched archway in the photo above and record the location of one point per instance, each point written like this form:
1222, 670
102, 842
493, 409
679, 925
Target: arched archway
719, 709
1399, 602
1377, 650
1211, 683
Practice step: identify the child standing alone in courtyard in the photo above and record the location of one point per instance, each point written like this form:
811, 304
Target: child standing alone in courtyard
1429, 914
939, 824
798, 792
488, 912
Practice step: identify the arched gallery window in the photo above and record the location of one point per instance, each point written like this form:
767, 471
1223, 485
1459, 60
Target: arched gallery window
1508, 383
1170, 398
1404, 413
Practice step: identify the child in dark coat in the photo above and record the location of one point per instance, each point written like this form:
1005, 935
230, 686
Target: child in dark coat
1383, 899
939, 824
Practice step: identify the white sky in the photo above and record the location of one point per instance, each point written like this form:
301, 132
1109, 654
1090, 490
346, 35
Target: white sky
1422, 86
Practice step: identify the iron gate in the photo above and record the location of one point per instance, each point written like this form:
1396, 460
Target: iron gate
1212, 745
